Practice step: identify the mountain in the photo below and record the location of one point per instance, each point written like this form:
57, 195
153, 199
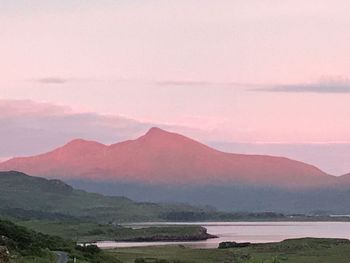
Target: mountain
165, 167
165, 158
344, 179
31, 197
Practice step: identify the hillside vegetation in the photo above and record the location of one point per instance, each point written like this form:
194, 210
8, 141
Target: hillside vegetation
29, 246
33, 197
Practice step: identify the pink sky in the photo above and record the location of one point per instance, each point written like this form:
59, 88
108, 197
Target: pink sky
265, 71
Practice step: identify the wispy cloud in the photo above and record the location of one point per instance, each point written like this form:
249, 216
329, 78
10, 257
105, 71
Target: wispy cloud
57, 80
52, 80
323, 86
184, 83
201, 83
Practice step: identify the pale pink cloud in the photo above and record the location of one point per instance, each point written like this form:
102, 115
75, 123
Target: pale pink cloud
240, 41
24, 108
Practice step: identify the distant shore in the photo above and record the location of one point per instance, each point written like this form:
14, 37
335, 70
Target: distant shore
200, 234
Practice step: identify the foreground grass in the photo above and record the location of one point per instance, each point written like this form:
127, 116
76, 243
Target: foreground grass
306, 250
172, 254
46, 257
50, 257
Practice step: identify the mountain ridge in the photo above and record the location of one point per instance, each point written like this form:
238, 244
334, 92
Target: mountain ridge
164, 157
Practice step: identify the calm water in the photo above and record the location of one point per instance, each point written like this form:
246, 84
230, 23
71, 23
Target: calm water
255, 232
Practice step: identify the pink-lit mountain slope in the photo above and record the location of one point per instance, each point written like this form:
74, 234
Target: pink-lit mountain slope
344, 179
163, 157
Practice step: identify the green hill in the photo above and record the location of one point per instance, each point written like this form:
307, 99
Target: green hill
31, 197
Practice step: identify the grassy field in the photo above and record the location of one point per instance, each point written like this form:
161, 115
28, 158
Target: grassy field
292, 251
307, 250
48, 257
104, 258
172, 254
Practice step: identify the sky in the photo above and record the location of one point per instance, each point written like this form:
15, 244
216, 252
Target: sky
264, 76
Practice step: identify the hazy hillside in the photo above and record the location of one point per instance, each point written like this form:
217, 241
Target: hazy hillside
249, 198
25, 195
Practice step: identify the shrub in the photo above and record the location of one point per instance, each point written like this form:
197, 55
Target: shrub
229, 244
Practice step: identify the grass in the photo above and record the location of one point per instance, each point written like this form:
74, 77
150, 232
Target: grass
308, 250
46, 257
305, 250
172, 253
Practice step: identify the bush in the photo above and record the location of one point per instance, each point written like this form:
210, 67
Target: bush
4, 255
150, 260
89, 250
229, 244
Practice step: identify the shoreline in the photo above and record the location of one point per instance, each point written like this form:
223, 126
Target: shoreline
241, 232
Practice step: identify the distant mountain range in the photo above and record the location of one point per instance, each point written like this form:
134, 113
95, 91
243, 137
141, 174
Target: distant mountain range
161, 157
164, 166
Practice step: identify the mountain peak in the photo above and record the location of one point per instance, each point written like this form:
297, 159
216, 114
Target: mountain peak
158, 135
76, 142
82, 145
155, 131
